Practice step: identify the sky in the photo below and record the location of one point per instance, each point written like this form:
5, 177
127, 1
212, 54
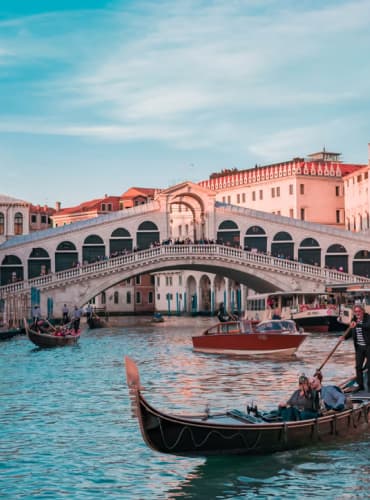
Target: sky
98, 96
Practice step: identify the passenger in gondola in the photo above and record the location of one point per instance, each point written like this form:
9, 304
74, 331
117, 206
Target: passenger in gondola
331, 397
302, 404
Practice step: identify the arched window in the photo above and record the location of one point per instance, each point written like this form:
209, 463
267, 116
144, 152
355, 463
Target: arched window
18, 224
282, 245
120, 242
337, 258
255, 239
309, 252
147, 234
93, 249
66, 256
228, 233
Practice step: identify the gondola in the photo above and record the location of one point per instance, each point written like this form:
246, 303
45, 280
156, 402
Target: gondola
96, 322
51, 336
236, 432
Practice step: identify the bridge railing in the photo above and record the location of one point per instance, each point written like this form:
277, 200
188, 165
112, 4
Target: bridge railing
134, 260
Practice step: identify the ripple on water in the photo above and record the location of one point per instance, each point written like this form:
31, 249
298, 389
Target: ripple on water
67, 429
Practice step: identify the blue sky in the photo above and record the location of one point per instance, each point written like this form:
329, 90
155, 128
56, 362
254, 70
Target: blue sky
98, 96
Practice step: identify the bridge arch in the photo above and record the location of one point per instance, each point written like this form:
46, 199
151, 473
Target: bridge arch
66, 256
282, 245
361, 263
228, 233
120, 241
39, 263
255, 239
147, 235
309, 252
11, 270
93, 248
337, 257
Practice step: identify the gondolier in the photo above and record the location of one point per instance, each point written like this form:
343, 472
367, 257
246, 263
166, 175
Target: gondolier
76, 318
360, 332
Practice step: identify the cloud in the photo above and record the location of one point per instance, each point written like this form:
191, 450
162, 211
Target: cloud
194, 73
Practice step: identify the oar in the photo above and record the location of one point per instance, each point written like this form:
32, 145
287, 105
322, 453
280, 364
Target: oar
334, 348
52, 326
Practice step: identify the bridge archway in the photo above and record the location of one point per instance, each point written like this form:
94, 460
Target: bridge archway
309, 252
93, 248
11, 270
282, 245
147, 235
255, 239
361, 263
337, 257
66, 256
228, 233
120, 241
38, 263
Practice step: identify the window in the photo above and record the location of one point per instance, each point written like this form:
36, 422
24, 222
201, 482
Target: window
168, 280
261, 194
238, 198
103, 298
180, 280
33, 218
291, 212
337, 216
138, 279
337, 191
229, 199
254, 196
278, 191
128, 282
272, 192
150, 298
359, 178
223, 199
18, 223
2, 225
128, 297
138, 298
301, 189
158, 281
116, 297
43, 219
243, 197
302, 211
291, 190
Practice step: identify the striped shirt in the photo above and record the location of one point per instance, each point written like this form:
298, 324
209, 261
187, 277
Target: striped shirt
360, 340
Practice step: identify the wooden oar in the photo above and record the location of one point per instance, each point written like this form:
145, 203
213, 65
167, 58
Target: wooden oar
334, 348
52, 326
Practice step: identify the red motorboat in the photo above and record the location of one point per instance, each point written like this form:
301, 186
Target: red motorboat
242, 338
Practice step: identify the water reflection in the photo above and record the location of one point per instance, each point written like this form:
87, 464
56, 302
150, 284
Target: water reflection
312, 473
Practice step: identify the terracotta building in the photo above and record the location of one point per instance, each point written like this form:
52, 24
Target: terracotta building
308, 189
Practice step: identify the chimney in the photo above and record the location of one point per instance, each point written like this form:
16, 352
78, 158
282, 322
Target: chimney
58, 206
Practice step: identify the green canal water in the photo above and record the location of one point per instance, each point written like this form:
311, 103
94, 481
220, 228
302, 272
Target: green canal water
67, 432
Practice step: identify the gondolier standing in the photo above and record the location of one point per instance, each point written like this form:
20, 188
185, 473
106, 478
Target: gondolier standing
65, 312
360, 332
76, 318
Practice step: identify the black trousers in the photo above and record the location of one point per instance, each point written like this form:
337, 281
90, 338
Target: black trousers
362, 353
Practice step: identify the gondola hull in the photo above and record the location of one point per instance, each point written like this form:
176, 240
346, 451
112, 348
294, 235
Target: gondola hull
235, 433
50, 339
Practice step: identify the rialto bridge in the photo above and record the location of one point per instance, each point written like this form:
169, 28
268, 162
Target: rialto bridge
183, 228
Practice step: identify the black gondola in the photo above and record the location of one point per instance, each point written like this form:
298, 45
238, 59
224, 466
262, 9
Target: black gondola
50, 337
237, 433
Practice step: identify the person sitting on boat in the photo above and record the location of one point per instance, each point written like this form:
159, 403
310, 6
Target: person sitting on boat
331, 397
302, 404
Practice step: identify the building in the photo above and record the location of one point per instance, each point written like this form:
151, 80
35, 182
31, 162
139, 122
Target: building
18, 217
290, 188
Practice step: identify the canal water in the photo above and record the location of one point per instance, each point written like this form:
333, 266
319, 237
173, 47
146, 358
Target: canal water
67, 432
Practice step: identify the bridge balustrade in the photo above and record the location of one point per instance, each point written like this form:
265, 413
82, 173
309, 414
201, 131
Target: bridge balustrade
161, 253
